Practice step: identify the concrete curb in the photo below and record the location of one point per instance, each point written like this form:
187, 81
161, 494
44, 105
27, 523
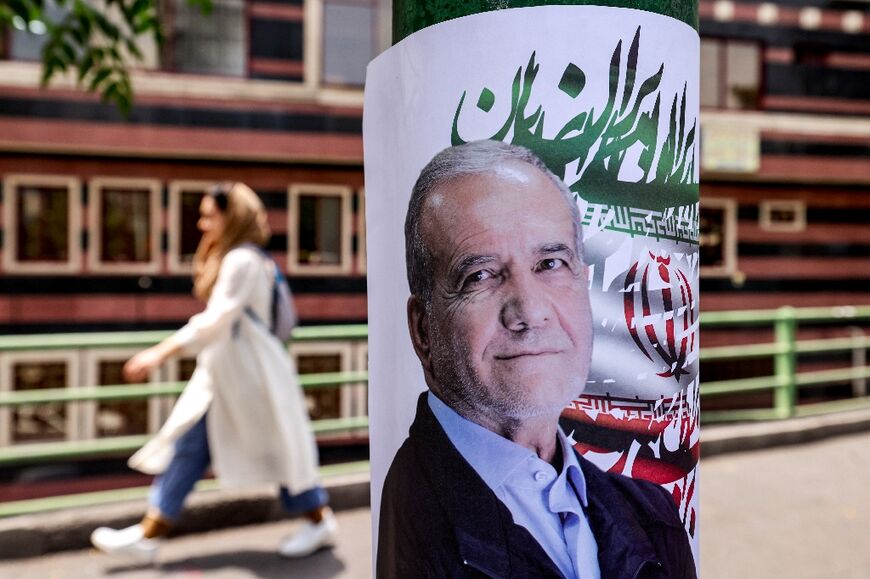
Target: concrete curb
69, 529
743, 437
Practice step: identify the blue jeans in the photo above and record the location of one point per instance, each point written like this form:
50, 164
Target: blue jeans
188, 465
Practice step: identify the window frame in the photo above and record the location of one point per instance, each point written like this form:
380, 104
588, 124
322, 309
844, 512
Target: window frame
729, 244
11, 264
767, 206
92, 360
376, 25
70, 358
95, 237
344, 349
345, 194
722, 64
173, 222
169, 51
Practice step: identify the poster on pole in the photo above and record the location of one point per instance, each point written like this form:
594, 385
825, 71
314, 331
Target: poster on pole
532, 234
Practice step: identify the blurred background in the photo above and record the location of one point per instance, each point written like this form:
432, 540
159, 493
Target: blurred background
99, 205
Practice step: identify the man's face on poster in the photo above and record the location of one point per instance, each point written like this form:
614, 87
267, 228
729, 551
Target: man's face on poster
509, 324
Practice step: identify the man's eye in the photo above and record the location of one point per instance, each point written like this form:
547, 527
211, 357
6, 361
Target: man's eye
550, 264
476, 278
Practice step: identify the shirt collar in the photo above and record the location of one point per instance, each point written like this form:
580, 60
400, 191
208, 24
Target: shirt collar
571, 471
494, 457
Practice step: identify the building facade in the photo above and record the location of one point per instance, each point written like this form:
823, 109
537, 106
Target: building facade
99, 211
785, 97
785, 176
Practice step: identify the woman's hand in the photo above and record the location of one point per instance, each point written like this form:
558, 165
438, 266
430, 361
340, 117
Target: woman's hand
140, 365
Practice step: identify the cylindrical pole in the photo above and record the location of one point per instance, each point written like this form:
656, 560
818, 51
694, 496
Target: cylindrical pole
409, 16
605, 94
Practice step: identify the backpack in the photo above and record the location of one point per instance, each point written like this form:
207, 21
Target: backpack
283, 312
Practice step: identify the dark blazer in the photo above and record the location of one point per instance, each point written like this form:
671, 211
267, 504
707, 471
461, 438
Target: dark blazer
439, 519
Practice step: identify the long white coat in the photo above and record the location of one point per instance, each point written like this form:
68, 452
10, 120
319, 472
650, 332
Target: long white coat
258, 427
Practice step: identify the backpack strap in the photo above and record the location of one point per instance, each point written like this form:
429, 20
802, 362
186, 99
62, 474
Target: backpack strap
276, 279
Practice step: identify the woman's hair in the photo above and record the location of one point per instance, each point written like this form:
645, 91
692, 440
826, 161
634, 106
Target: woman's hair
244, 222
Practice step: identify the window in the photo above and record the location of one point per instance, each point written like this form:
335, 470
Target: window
26, 42
37, 422
319, 230
124, 225
184, 199
42, 217
717, 238
350, 40
317, 358
117, 417
213, 44
782, 215
730, 74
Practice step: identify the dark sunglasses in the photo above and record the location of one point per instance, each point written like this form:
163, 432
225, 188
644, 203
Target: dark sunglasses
219, 192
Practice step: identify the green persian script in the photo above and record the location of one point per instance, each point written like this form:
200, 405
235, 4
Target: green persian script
599, 141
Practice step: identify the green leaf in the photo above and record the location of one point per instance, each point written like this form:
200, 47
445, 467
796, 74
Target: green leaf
106, 27
85, 23
21, 9
98, 78
78, 34
86, 64
205, 6
140, 7
110, 91
133, 49
68, 51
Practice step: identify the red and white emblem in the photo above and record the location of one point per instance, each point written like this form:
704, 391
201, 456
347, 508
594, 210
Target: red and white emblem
666, 324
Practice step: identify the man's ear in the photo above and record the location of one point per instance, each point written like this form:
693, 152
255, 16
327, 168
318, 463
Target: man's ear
418, 327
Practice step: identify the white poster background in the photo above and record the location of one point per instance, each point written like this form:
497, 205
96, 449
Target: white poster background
411, 97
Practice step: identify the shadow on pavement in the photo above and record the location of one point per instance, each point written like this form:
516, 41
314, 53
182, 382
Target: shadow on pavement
262, 564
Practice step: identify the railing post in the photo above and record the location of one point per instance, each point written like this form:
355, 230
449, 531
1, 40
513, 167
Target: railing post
859, 360
785, 362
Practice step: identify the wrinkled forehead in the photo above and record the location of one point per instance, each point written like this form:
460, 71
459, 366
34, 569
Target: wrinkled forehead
510, 195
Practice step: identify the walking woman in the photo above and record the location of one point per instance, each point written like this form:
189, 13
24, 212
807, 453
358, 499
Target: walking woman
242, 412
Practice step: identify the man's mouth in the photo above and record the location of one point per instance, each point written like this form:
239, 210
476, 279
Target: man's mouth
526, 354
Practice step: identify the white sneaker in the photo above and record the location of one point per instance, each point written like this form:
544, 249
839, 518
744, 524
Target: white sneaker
311, 537
129, 541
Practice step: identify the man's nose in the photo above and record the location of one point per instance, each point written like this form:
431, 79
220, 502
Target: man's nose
527, 304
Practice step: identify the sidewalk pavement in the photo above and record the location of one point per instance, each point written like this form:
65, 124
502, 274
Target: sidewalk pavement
66, 529
34, 535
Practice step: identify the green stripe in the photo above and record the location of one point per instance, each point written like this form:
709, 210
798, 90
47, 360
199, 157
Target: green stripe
30, 506
126, 445
143, 339
139, 391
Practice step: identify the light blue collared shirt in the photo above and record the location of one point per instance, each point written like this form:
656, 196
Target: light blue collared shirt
547, 503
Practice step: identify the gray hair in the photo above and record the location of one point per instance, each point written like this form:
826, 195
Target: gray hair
472, 158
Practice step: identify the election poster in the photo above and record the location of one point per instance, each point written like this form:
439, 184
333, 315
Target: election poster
481, 297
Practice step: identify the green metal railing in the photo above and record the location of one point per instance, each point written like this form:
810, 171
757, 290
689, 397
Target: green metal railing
77, 449
786, 381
